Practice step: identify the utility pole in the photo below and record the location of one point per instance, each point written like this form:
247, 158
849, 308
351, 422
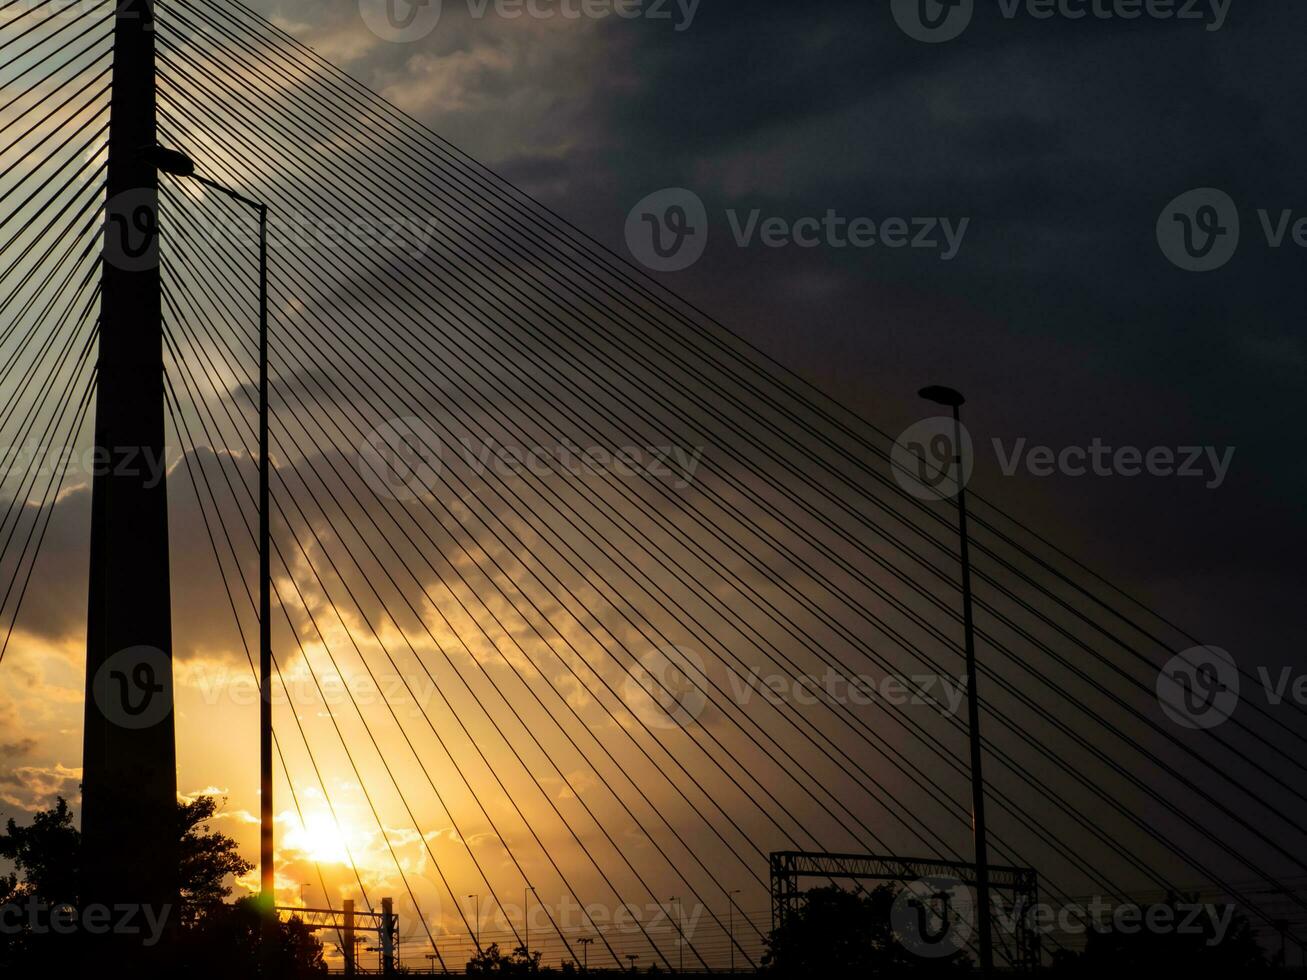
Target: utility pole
129, 777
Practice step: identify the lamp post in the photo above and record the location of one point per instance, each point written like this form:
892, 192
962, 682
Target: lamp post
476, 923
952, 399
526, 920
680, 935
178, 164
585, 942
730, 910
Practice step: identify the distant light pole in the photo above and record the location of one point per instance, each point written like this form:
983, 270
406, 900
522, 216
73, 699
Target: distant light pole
526, 920
680, 935
585, 942
476, 925
954, 400
730, 909
180, 165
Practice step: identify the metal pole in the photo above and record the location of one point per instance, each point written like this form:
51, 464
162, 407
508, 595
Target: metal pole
267, 870
973, 711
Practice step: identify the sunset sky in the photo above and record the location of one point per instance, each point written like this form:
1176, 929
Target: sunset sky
484, 665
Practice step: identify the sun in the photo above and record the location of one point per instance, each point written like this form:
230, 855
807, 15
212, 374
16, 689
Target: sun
320, 840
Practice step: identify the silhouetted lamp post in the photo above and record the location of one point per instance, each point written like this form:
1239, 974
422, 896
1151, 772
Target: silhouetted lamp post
180, 165
954, 400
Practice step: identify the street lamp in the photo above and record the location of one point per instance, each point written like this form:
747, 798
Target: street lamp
585, 942
949, 398
178, 164
730, 910
476, 925
526, 920
680, 935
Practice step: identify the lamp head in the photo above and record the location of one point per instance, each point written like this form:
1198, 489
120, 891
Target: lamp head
170, 161
941, 395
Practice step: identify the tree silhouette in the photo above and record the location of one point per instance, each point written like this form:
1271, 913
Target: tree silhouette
492, 960
1196, 949
214, 939
836, 931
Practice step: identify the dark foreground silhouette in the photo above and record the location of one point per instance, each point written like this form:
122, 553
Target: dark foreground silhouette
204, 936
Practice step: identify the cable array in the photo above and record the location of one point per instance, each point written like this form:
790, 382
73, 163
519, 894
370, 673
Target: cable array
645, 606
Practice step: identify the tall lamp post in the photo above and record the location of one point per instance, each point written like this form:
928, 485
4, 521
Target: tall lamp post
680, 934
178, 164
730, 909
476, 931
951, 399
526, 919
585, 942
